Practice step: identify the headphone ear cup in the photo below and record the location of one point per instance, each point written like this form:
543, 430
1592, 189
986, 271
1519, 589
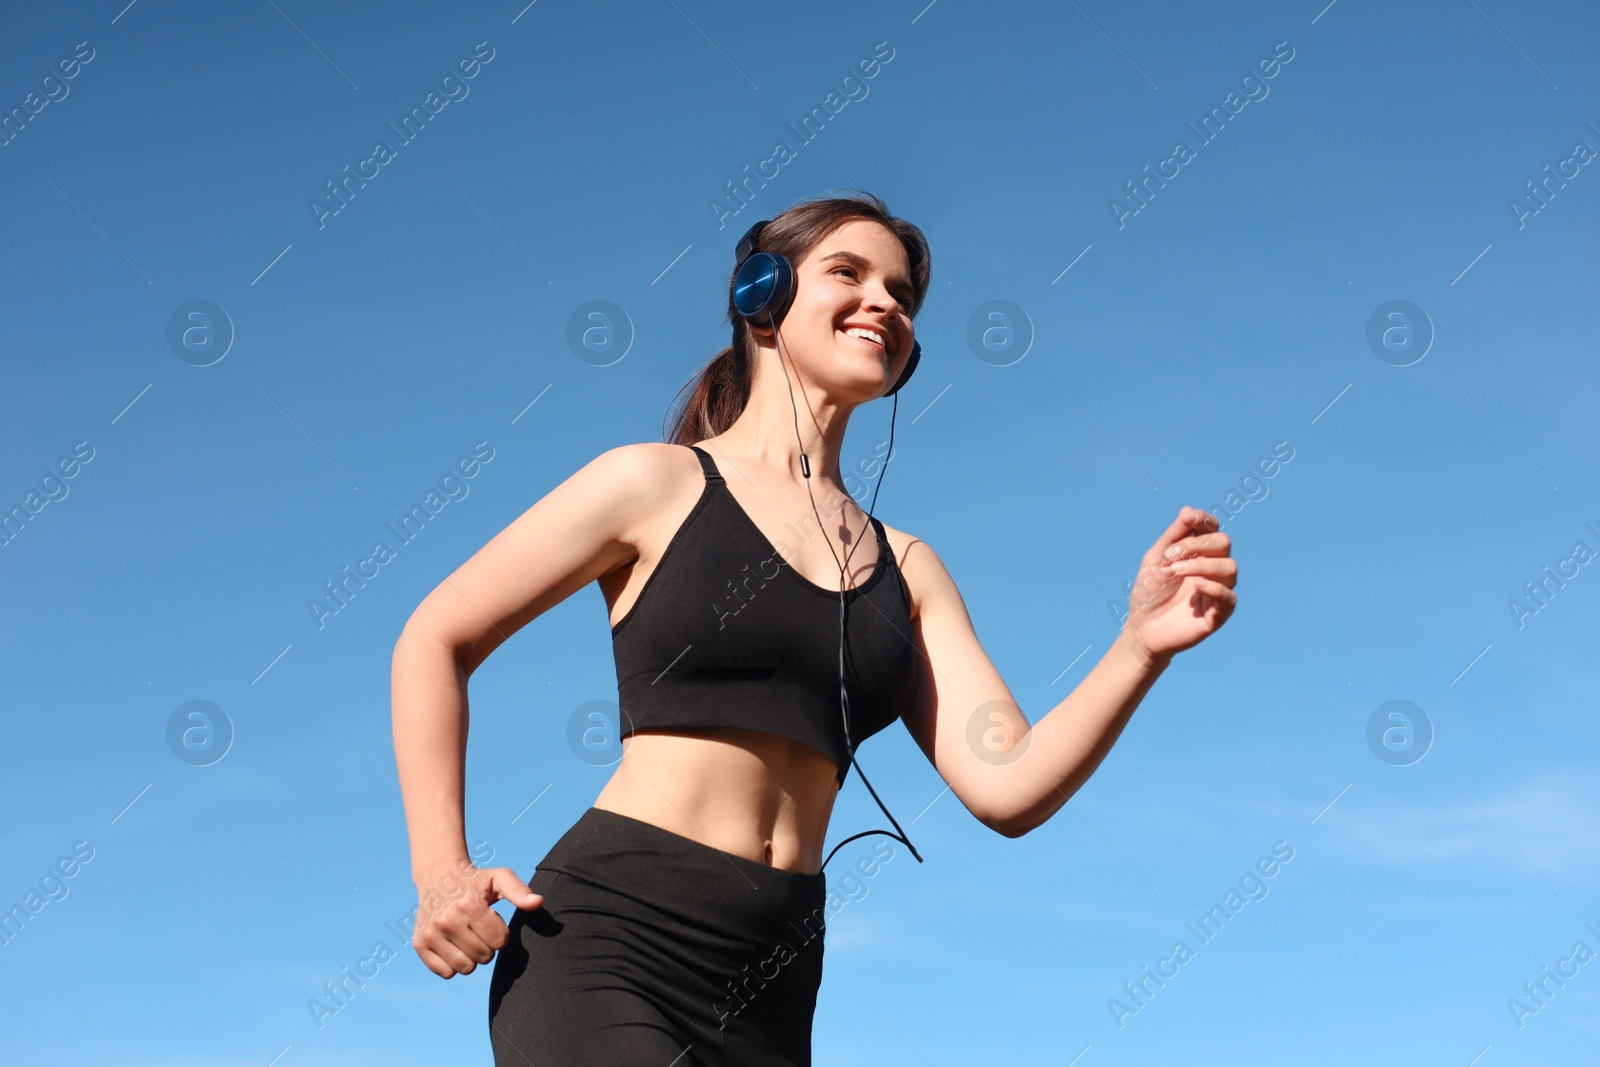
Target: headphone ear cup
911, 365
763, 287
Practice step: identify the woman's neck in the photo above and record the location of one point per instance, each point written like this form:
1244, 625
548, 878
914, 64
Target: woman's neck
765, 431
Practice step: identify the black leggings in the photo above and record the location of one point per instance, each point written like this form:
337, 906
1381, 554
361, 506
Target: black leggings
655, 950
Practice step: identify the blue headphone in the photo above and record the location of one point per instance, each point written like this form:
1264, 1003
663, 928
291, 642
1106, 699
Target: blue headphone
763, 289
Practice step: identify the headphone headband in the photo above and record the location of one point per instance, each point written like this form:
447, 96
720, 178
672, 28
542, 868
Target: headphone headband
747, 243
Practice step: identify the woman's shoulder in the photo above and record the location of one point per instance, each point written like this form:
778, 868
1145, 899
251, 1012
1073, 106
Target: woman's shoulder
646, 465
632, 482
920, 565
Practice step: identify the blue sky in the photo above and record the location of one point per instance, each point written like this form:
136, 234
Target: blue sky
356, 356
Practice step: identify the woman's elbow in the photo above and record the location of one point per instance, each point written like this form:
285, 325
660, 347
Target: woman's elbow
1012, 828
1005, 820
422, 639
1014, 822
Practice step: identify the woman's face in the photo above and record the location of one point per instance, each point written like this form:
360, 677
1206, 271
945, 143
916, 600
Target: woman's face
858, 277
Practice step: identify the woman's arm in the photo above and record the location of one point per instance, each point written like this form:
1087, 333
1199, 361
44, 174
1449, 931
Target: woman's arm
1013, 776
429, 694
578, 532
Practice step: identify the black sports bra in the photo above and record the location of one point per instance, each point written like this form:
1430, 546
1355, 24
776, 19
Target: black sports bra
725, 633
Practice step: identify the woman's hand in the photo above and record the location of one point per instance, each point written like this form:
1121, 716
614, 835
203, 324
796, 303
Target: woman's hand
455, 928
1179, 601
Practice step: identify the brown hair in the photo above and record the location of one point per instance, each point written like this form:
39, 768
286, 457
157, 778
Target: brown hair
720, 391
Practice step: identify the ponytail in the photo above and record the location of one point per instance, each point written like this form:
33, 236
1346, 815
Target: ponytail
717, 395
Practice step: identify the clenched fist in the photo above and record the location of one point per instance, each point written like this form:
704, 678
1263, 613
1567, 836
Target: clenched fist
1184, 589
456, 929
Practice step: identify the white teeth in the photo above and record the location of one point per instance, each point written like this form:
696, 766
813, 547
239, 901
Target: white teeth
871, 335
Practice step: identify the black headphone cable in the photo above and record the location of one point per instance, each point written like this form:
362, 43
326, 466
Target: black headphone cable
844, 697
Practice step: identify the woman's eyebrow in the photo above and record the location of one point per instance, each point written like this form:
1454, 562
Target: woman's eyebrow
862, 263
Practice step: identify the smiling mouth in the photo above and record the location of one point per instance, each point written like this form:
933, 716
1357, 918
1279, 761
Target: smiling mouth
868, 340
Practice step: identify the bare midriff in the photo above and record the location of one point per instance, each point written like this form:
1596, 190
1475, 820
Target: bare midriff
752, 794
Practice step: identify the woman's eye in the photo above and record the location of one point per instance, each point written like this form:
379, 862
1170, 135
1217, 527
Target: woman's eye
905, 306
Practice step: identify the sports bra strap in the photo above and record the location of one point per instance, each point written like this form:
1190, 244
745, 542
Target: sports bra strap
713, 476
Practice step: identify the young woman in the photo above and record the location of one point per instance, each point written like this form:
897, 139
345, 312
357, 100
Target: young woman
679, 920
